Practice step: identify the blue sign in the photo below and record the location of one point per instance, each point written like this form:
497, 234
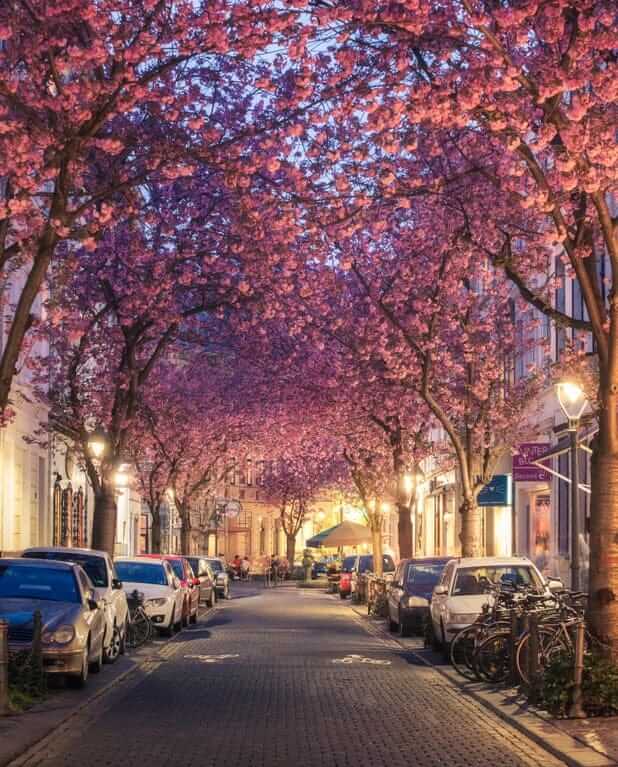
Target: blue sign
497, 492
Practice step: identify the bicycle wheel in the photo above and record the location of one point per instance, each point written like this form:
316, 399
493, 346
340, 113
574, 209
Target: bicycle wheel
462, 651
140, 629
551, 643
493, 657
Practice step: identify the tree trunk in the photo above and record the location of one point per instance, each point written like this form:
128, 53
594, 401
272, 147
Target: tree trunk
603, 577
155, 533
290, 549
185, 531
378, 568
104, 519
404, 530
471, 529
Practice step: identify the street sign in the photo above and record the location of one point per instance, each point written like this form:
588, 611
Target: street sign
497, 492
523, 468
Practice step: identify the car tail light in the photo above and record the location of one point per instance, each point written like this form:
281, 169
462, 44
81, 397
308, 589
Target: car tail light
196, 581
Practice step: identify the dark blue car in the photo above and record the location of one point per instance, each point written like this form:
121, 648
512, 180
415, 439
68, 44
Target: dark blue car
410, 593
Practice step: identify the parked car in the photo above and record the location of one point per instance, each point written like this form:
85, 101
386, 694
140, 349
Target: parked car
345, 579
204, 580
184, 572
107, 588
364, 564
73, 621
222, 579
164, 597
464, 588
319, 569
410, 593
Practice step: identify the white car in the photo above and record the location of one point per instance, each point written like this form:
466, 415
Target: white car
464, 588
155, 579
107, 588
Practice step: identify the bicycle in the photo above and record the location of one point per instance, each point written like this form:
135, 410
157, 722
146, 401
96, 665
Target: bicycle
140, 625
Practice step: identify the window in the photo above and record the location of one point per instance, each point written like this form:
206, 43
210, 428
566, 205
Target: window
51, 584
424, 575
95, 567
141, 572
479, 580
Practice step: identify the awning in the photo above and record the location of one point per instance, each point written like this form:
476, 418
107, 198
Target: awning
344, 534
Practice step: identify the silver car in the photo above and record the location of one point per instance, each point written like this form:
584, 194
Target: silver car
73, 621
222, 579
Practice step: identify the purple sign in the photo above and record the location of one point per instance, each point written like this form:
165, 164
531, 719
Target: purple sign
523, 468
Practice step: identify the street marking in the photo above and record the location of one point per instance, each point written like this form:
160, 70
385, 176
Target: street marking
212, 658
362, 659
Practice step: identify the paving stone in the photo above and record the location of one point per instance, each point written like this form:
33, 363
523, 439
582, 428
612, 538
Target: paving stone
261, 689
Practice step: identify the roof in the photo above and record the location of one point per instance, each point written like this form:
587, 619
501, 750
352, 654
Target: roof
427, 560
167, 557
65, 550
483, 561
47, 563
154, 559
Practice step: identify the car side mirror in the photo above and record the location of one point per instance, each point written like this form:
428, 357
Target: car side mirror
440, 590
116, 584
554, 584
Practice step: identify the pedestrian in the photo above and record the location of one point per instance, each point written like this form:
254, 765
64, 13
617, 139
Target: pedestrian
274, 569
236, 566
245, 566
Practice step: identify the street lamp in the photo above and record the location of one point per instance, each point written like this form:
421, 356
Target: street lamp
573, 403
97, 443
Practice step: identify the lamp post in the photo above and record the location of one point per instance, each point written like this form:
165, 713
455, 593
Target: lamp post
573, 403
97, 443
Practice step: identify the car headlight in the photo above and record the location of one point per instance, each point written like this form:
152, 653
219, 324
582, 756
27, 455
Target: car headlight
415, 601
62, 635
158, 602
465, 618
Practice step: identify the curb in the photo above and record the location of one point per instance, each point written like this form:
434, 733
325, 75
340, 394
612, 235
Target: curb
24, 752
536, 725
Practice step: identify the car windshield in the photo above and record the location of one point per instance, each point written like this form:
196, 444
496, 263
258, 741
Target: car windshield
479, 580
30, 582
141, 572
366, 564
95, 567
216, 565
177, 568
348, 564
195, 564
424, 575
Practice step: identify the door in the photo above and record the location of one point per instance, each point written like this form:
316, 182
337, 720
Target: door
439, 601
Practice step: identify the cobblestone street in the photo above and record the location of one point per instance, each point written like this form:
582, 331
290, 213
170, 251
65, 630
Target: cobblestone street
285, 677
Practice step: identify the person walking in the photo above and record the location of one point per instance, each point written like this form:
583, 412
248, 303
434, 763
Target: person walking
245, 566
274, 569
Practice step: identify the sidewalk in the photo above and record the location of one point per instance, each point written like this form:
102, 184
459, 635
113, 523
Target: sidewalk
22, 731
579, 743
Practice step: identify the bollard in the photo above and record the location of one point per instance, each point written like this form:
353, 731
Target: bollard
514, 676
576, 710
533, 659
4, 668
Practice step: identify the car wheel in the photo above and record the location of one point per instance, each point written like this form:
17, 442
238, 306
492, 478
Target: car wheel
342, 595
111, 653
193, 618
77, 681
178, 624
169, 630
445, 647
123, 638
404, 629
96, 665
186, 614
227, 593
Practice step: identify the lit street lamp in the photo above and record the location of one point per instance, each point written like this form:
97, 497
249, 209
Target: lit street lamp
573, 403
97, 443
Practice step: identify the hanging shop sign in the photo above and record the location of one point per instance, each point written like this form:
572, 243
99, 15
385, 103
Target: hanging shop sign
523, 468
497, 492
